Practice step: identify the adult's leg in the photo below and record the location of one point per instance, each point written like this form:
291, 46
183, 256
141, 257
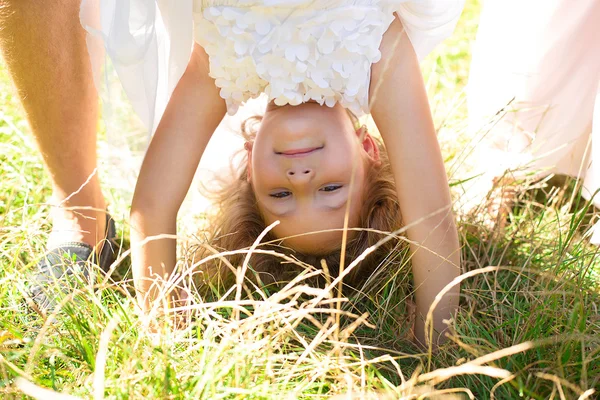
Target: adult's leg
44, 47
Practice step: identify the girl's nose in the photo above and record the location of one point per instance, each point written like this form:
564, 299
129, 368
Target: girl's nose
300, 174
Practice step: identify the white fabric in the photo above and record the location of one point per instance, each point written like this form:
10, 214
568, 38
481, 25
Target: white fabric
544, 56
149, 43
303, 50
251, 44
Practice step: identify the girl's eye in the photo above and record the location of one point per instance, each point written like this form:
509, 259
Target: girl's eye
281, 195
330, 188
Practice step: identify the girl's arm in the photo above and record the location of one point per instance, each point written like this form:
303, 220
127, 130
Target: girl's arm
192, 115
401, 111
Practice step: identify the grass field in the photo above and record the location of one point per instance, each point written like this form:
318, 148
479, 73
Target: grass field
528, 326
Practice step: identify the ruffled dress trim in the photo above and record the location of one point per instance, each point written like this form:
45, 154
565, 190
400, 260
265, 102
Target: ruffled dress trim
304, 50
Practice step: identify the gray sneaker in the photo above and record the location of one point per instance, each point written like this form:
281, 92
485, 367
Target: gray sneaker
62, 267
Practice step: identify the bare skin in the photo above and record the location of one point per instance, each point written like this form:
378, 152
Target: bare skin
301, 174
405, 122
191, 117
44, 47
401, 111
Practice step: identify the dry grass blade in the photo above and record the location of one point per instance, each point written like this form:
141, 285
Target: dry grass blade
41, 393
99, 373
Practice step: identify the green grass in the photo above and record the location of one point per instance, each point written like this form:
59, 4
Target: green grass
529, 311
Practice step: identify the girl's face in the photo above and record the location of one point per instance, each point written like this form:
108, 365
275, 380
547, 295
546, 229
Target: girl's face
300, 166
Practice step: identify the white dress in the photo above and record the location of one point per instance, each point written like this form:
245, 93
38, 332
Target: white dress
542, 57
292, 50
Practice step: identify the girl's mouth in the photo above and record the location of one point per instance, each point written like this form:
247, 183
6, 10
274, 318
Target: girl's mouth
299, 152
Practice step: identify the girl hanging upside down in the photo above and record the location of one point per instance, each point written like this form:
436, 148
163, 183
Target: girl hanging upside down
310, 166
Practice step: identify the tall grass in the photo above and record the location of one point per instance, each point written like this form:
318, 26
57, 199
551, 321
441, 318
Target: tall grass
528, 326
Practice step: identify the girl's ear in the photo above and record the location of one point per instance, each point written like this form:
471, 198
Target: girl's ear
369, 144
248, 146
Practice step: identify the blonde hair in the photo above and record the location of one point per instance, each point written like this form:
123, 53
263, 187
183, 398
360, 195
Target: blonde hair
238, 222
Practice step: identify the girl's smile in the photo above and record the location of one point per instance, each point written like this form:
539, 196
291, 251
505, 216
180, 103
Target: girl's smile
299, 152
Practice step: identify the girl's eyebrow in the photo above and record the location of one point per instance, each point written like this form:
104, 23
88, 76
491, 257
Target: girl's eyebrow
283, 214
267, 209
341, 205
